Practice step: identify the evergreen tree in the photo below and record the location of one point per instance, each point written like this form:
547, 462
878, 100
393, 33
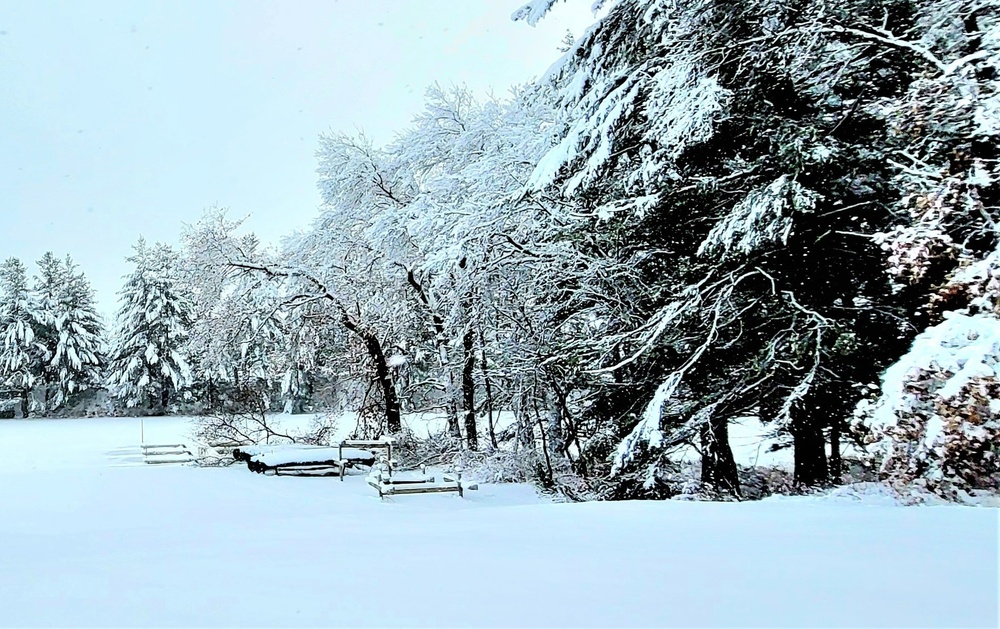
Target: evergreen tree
148, 366
77, 359
744, 157
47, 292
20, 354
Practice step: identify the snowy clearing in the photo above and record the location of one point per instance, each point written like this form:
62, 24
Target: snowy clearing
90, 536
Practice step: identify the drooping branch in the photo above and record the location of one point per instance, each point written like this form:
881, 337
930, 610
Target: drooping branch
889, 39
441, 343
371, 341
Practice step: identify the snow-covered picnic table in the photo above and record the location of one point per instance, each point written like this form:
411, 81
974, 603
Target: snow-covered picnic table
298, 455
303, 459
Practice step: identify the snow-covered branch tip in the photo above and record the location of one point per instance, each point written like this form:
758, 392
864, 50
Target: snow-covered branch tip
533, 11
887, 38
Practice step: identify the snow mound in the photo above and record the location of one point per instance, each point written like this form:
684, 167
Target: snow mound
963, 346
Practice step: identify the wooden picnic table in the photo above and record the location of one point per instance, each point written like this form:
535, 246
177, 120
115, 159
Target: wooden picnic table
309, 460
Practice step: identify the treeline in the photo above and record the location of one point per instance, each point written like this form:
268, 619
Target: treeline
58, 357
704, 211
52, 342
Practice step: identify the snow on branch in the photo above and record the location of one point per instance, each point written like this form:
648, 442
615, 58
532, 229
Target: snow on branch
690, 302
680, 102
715, 298
682, 107
533, 11
962, 347
647, 432
762, 217
887, 38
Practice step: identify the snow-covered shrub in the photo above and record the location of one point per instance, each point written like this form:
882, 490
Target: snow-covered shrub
437, 449
657, 478
763, 481
242, 419
321, 429
8, 408
937, 422
975, 285
913, 249
499, 466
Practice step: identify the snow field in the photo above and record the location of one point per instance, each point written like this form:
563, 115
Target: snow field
84, 543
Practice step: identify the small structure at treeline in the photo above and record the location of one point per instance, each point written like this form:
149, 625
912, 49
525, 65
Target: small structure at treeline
310, 460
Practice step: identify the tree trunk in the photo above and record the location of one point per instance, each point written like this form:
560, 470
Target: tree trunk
469, 390
554, 427
718, 466
546, 474
525, 425
393, 421
810, 452
488, 386
212, 395
25, 403
454, 429
836, 462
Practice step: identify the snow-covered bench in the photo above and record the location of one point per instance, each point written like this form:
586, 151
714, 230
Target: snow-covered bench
303, 460
166, 453
388, 485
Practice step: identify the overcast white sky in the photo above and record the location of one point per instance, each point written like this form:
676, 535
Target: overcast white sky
127, 117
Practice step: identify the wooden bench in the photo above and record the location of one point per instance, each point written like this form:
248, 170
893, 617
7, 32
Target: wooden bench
370, 444
387, 485
167, 453
304, 460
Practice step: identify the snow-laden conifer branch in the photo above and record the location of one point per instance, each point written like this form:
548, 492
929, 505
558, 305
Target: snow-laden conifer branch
885, 37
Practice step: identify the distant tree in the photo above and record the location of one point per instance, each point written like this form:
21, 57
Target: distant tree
20, 354
248, 332
147, 365
77, 360
47, 291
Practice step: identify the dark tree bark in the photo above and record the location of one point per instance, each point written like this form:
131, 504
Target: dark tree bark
556, 437
393, 421
212, 395
525, 424
810, 451
718, 466
469, 390
488, 386
546, 474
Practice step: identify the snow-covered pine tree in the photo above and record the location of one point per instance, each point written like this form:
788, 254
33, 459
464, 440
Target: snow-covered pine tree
77, 360
147, 364
745, 156
47, 290
21, 355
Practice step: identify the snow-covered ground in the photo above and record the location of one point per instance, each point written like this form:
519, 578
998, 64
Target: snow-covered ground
90, 536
